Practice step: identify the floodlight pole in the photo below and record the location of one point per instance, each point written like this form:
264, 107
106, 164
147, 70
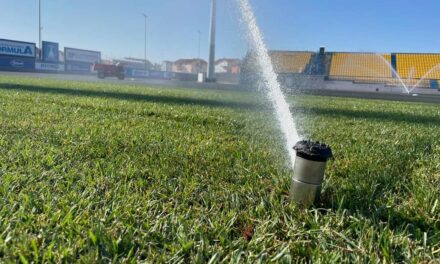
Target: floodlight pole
211, 62
198, 50
39, 27
145, 42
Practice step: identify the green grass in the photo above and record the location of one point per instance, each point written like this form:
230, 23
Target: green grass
93, 172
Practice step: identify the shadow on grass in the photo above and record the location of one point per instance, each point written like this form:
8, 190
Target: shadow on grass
375, 115
129, 96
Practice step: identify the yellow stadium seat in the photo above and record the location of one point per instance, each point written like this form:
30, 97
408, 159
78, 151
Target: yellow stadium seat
361, 67
417, 66
290, 62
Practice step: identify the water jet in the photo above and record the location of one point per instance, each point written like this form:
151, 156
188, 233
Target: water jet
308, 171
269, 79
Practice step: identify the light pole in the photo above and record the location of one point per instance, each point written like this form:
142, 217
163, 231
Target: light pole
40, 28
145, 51
198, 50
199, 66
211, 63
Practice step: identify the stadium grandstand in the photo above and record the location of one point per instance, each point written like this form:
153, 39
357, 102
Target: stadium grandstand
416, 66
290, 62
362, 67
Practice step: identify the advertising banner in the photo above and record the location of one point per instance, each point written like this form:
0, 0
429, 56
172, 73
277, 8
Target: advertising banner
80, 61
50, 52
17, 48
12, 63
79, 67
135, 73
49, 67
160, 75
77, 55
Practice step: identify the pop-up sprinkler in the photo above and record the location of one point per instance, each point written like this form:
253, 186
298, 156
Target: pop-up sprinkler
308, 171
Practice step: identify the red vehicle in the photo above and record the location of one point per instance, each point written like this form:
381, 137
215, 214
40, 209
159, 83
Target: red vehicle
110, 70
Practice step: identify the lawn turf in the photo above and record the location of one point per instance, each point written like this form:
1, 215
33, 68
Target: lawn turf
95, 172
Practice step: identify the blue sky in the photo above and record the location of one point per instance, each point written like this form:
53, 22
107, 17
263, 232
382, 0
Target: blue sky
116, 27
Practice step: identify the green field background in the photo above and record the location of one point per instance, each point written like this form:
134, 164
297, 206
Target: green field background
95, 172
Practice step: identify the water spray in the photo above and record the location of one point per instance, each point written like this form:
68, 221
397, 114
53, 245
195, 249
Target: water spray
308, 171
269, 79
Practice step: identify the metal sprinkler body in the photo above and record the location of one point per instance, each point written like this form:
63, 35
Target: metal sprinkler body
308, 172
